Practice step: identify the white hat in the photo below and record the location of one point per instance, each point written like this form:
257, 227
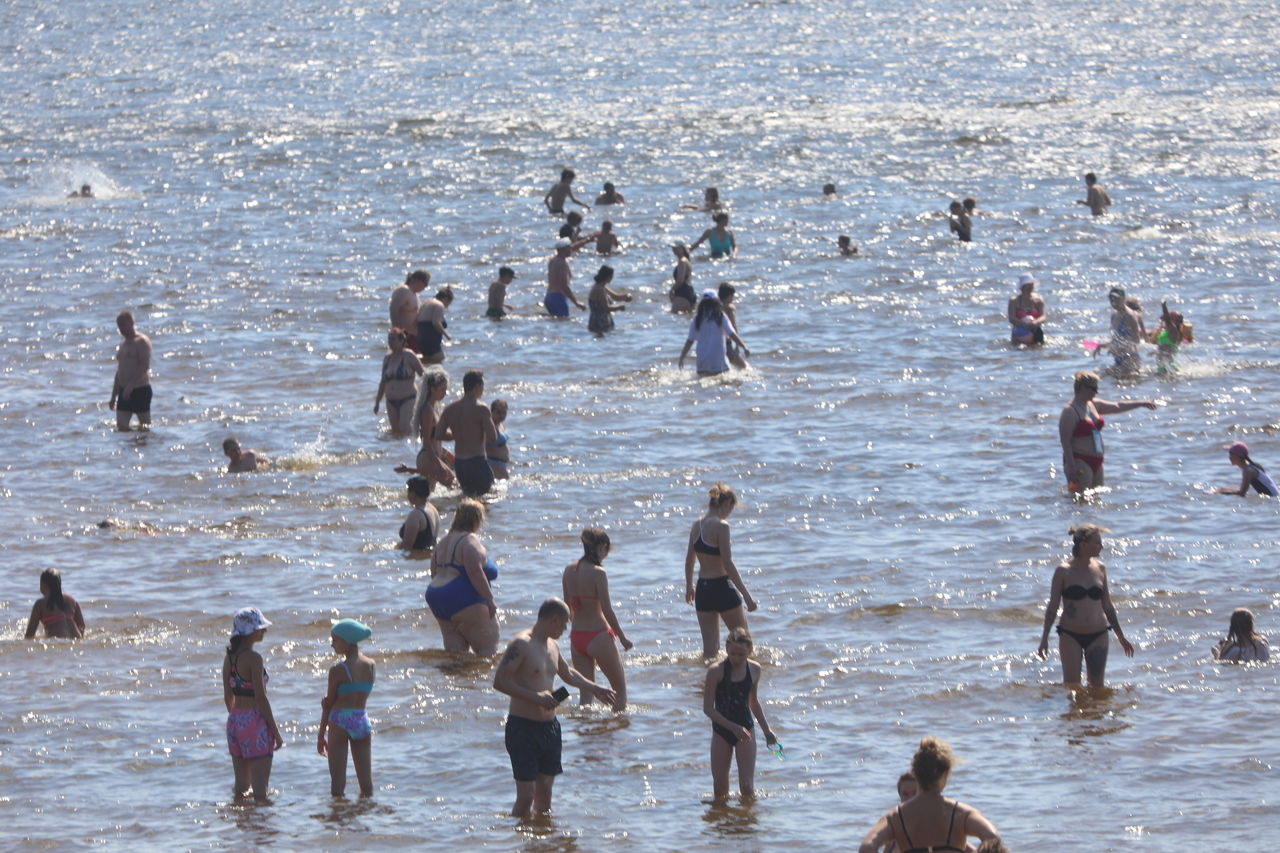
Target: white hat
710, 294
248, 620
1026, 278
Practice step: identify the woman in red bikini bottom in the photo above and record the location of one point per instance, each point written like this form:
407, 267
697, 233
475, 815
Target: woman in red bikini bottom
594, 625
1080, 587
1080, 429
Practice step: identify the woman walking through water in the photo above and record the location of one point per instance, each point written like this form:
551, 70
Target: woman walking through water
711, 330
594, 625
1080, 587
1080, 431
714, 596
252, 735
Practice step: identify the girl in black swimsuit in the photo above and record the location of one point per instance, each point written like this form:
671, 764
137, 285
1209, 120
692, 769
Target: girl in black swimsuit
929, 822
730, 699
1087, 614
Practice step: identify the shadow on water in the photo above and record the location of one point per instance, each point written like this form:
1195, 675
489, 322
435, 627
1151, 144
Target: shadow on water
730, 819
1096, 712
539, 834
346, 813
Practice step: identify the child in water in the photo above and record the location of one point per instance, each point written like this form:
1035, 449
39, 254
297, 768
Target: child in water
1251, 474
1242, 643
730, 699
342, 714
59, 613
1172, 332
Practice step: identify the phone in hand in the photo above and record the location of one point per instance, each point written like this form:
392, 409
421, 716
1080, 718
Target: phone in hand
560, 694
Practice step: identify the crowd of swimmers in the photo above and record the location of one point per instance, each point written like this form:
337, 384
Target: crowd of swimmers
461, 597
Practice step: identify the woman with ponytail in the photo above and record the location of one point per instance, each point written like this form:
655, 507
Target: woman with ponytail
58, 612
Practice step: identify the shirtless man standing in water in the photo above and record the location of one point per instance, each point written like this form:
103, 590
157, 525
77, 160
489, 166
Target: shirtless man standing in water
1098, 201
131, 390
470, 424
526, 674
554, 199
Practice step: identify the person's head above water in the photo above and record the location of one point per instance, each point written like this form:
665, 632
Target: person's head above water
567, 176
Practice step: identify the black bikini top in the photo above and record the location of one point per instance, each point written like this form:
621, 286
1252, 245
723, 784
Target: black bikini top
1078, 593
702, 547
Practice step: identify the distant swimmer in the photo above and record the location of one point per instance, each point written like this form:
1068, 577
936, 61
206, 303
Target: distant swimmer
829, 191
610, 196
470, 424
720, 591
526, 674
252, 734
710, 201
131, 389
928, 821
1080, 431
560, 191
728, 294
419, 531
559, 294
1242, 644
682, 295
397, 382
85, 191
970, 205
845, 245
718, 238
460, 595
1026, 313
1080, 587
498, 307
711, 330
498, 452
344, 723
240, 461
58, 612
595, 626
960, 223
606, 241
1097, 199
1252, 475
731, 698
431, 326
405, 305
602, 301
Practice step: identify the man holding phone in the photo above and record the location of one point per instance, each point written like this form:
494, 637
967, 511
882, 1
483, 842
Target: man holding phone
526, 673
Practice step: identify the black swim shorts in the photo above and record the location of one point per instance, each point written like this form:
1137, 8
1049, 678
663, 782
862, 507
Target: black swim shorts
138, 401
715, 595
534, 748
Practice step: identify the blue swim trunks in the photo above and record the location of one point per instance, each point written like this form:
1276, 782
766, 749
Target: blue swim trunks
557, 304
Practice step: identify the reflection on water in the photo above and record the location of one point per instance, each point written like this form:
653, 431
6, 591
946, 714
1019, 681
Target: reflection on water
732, 819
1096, 712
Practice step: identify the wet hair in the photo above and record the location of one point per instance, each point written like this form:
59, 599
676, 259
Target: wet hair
468, 517
904, 778
418, 275
607, 225
567, 175
594, 542
51, 580
828, 189
608, 187
228, 443
708, 309
573, 217
957, 207
1239, 631
1090, 178
969, 202
445, 294
721, 218
1085, 377
726, 291
506, 271
740, 636
720, 494
124, 315
419, 486
553, 607
471, 380
498, 406
933, 761
843, 239
1080, 533
605, 273
711, 194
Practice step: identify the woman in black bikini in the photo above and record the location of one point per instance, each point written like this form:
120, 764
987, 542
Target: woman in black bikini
714, 597
419, 531
929, 822
1087, 614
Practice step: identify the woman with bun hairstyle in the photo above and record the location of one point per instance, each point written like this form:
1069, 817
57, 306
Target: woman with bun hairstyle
929, 822
252, 735
58, 612
719, 592
1080, 587
594, 624
1242, 643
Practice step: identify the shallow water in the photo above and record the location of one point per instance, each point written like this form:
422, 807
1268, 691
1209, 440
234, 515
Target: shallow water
267, 172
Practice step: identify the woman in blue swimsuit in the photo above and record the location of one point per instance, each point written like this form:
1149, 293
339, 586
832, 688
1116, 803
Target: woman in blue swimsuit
929, 822
719, 238
460, 596
719, 592
1088, 616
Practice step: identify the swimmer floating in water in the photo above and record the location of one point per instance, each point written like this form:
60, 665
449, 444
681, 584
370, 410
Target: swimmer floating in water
1252, 475
241, 461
